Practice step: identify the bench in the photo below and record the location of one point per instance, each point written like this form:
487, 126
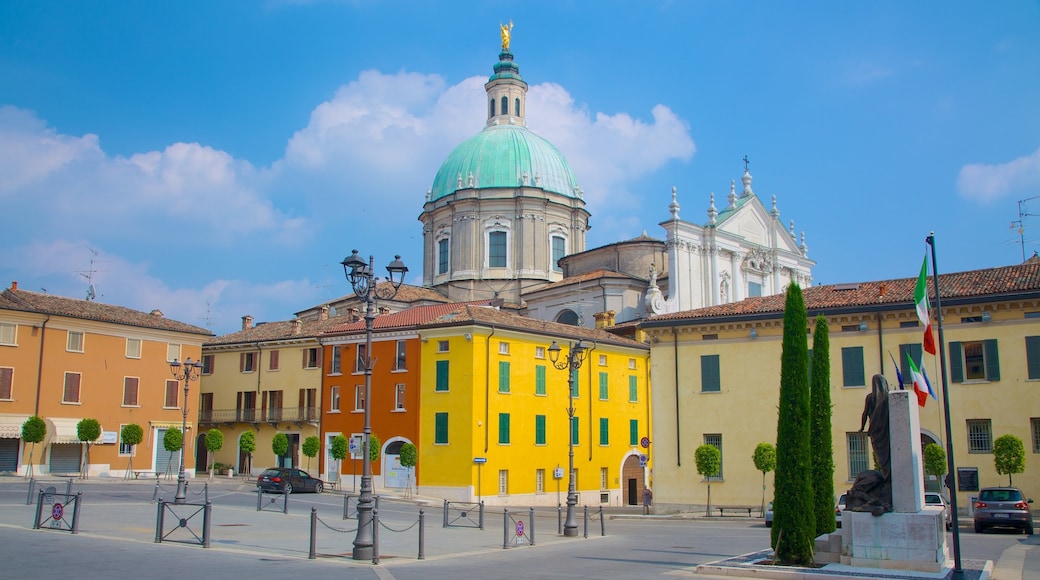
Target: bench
138, 473
736, 508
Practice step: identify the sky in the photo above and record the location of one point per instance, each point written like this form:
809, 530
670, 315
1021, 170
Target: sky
219, 159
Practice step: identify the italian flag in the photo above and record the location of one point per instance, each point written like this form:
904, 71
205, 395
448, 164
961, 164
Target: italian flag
921, 299
921, 385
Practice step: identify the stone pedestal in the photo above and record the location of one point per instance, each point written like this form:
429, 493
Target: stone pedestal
896, 541
904, 428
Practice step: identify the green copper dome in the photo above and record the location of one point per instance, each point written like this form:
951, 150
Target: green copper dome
505, 156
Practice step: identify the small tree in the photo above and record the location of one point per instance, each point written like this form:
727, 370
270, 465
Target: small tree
280, 444
820, 430
173, 441
934, 461
709, 460
409, 458
33, 431
1009, 455
765, 461
247, 443
310, 448
374, 445
214, 441
88, 431
131, 434
338, 449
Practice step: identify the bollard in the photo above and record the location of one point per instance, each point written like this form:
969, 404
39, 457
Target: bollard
206, 523
375, 533
559, 519
314, 532
205, 491
28, 496
586, 521
422, 535
530, 525
258, 498
602, 524
505, 528
346, 505
445, 513
75, 512
68, 487
155, 492
285, 502
481, 516
159, 522
39, 512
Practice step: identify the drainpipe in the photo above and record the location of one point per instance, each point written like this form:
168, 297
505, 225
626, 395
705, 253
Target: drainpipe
39, 368
678, 439
487, 385
588, 358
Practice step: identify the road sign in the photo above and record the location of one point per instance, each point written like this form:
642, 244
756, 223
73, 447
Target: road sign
644, 442
57, 511
642, 460
480, 460
520, 527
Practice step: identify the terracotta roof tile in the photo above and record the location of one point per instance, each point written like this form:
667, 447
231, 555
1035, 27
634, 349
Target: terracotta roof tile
404, 319
280, 330
587, 277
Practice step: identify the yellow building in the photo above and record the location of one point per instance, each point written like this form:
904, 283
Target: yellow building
494, 423
66, 360
716, 374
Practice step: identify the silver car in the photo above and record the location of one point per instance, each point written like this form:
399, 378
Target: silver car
936, 499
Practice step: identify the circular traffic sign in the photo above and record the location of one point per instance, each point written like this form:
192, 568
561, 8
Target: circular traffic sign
520, 528
57, 511
645, 442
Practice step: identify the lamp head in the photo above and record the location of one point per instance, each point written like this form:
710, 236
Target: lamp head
554, 352
175, 367
397, 270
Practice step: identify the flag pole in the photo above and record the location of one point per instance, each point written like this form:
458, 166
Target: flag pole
958, 571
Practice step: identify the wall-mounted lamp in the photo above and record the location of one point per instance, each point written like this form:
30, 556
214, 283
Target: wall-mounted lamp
986, 317
862, 326
754, 333
469, 336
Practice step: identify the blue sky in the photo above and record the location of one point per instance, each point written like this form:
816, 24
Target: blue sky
221, 158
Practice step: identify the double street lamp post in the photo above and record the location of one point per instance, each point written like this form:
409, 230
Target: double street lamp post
188, 371
366, 287
571, 364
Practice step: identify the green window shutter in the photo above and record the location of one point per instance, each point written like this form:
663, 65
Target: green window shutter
992, 359
442, 376
539, 429
956, 362
604, 388
633, 388
604, 431
539, 380
914, 351
852, 366
633, 431
440, 429
574, 430
503, 376
1033, 357
711, 380
503, 428
574, 383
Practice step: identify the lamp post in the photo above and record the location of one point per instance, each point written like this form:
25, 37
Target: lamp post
187, 372
366, 287
571, 364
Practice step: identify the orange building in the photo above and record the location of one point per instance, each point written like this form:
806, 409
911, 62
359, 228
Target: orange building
65, 360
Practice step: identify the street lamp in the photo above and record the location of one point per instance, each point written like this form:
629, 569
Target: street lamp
366, 287
571, 364
188, 371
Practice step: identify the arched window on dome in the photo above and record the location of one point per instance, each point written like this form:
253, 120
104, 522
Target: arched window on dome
497, 244
568, 317
516, 110
505, 105
443, 246
559, 250
492, 113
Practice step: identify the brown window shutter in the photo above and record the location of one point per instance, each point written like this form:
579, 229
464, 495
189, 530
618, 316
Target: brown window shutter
274, 360
321, 351
5, 383
241, 362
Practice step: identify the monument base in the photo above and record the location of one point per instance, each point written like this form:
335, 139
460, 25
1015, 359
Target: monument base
896, 541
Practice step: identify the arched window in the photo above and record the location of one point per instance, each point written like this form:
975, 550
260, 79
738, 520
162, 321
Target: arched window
442, 256
516, 111
505, 106
567, 317
492, 108
559, 250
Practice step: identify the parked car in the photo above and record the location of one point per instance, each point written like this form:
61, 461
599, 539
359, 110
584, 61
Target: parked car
838, 508
288, 480
1003, 507
938, 500
769, 515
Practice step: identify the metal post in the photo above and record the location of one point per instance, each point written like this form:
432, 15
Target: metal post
68, 487
445, 514
205, 491
258, 500
39, 511
285, 502
559, 519
206, 519
155, 492
586, 521
422, 535
28, 496
75, 512
375, 529
530, 525
505, 528
481, 516
182, 483
159, 521
346, 505
575, 356
602, 524
314, 531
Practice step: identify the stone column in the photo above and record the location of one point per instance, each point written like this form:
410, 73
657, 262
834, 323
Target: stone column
904, 428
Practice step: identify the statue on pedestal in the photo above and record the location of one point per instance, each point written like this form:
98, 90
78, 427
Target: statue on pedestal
872, 490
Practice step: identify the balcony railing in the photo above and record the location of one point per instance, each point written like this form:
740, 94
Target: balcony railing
275, 415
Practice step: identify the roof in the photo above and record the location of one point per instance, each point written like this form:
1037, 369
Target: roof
991, 283
407, 294
404, 319
280, 330
25, 301
586, 277
488, 316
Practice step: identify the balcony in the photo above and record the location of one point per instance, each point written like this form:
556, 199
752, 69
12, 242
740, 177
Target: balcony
299, 415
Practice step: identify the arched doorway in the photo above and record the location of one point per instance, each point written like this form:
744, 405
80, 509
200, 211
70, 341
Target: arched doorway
631, 481
931, 482
394, 475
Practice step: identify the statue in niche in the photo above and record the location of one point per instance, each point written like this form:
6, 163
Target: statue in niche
653, 276
872, 490
724, 290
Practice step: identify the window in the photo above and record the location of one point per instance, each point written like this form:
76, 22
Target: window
914, 351
311, 358
124, 448
574, 431
1033, 357
171, 394
71, 391
442, 376
245, 406
604, 386
503, 474
980, 436
633, 389
272, 363
207, 364
247, 362
206, 408
442, 346
711, 380
503, 376
602, 360
8, 334
400, 363
539, 481
974, 361
492, 109
909, 324
133, 348
359, 397
442, 256
539, 352
6, 382
505, 105
273, 406
399, 397
334, 399
559, 250
852, 367
359, 365
715, 439
503, 347
336, 366
503, 428
497, 250
173, 352
633, 431
539, 429
604, 431
440, 429
632, 363
603, 477
75, 342
516, 107
754, 289
859, 453
539, 379
130, 385
1034, 428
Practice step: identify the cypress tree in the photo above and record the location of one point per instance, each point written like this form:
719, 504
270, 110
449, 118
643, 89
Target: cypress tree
822, 446
793, 518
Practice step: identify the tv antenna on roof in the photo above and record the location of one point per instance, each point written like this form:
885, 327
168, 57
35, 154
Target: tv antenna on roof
1020, 223
89, 274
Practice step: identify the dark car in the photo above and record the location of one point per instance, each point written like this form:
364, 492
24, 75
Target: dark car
1003, 507
288, 480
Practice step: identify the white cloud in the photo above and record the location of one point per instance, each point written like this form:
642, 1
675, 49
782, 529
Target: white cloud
30, 151
988, 182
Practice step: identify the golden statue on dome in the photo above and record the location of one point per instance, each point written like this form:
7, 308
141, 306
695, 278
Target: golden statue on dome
506, 34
